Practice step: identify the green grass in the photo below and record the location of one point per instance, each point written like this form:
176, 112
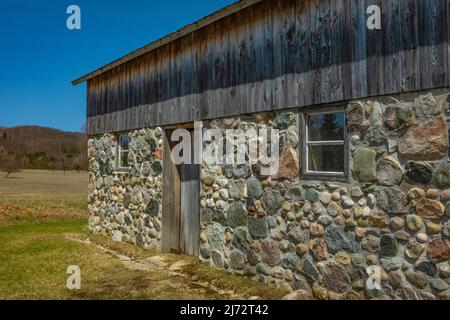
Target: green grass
40, 212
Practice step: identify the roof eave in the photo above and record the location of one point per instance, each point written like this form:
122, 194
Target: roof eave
216, 16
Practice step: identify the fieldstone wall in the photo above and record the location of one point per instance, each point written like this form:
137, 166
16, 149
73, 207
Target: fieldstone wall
320, 237
126, 205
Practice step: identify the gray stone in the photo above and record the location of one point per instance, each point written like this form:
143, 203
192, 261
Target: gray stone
258, 227
392, 263
337, 239
237, 189
398, 117
375, 137
217, 259
237, 260
441, 176
307, 268
263, 269
294, 194
391, 200
438, 285
254, 187
427, 267
296, 235
216, 236
334, 277
205, 250
153, 208
388, 246
156, 168
389, 172
117, 236
284, 121
289, 260
237, 215
242, 171
272, 201
242, 239
270, 252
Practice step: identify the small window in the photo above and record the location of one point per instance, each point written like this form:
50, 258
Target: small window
325, 144
122, 152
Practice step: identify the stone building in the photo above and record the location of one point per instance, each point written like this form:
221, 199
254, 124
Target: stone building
364, 172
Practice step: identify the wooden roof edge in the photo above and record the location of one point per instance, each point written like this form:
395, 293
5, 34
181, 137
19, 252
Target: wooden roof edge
214, 17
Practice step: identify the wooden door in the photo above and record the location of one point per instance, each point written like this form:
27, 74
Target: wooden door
181, 204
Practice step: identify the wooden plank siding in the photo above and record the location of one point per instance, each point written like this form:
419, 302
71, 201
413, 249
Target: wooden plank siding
273, 55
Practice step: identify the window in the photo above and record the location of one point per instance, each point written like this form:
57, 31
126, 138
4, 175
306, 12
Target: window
122, 152
324, 144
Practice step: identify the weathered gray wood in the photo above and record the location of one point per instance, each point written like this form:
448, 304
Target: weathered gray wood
170, 238
273, 55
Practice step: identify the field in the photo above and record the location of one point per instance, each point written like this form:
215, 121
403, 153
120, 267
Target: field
43, 231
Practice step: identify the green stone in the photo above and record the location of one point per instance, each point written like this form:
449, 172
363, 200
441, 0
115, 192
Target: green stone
364, 165
312, 195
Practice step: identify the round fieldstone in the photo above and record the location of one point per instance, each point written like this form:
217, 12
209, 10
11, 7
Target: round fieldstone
392, 263
237, 215
152, 208
272, 201
237, 260
335, 278
389, 171
414, 222
438, 250
205, 250
414, 249
258, 227
217, 259
391, 200
337, 239
254, 187
270, 252
297, 235
294, 194
419, 172
388, 246
241, 239
430, 209
417, 279
289, 260
438, 285
216, 236
312, 195
263, 269
427, 267
156, 168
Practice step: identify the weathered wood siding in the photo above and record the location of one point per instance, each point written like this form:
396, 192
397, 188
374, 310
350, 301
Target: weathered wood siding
277, 54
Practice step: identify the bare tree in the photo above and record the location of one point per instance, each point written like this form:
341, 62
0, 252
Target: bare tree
10, 164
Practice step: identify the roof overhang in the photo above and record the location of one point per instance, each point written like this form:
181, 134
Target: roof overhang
218, 15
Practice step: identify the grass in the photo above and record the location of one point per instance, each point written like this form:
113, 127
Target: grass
41, 213
39, 195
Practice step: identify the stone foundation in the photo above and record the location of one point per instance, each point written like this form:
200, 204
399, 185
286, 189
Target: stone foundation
392, 212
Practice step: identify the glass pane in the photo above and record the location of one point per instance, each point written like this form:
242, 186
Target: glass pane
326, 158
124, 159
326, 127
123, 141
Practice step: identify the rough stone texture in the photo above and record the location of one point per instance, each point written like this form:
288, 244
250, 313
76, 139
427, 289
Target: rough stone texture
364, 165
427, 141
317, 236
126, 205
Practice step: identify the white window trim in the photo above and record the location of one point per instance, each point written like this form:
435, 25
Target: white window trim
323, 143
119, 151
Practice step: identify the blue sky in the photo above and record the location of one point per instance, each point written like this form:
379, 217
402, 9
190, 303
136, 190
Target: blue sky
40, 56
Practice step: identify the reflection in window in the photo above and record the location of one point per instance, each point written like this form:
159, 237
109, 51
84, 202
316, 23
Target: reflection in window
122, 154
325, 146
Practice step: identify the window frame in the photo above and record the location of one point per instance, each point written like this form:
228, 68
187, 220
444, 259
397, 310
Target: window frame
307, 174
119, 152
